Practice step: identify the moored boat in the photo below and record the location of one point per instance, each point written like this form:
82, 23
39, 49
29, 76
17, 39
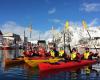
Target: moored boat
61, 65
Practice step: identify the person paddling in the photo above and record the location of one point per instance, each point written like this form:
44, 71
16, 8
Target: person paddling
75, 56
88, 55
28, 53
53, 52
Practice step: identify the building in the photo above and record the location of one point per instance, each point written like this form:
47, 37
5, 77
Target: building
11, 39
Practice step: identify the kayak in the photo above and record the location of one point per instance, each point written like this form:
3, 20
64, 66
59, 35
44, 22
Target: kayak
60, 65
33, 62
14, 61
47, 73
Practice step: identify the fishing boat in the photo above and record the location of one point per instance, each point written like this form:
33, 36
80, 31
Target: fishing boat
60, 65
33, 62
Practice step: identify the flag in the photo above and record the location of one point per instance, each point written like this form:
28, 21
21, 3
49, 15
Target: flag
52, 30
84, 24
67, 25
30, 28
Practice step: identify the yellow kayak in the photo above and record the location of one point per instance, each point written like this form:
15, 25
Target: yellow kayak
33, 62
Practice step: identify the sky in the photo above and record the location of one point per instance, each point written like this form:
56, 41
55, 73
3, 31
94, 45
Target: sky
43, 14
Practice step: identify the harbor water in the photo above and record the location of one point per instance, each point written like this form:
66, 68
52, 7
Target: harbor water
24, 72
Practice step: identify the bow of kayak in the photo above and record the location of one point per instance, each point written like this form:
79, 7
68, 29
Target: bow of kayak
60, 65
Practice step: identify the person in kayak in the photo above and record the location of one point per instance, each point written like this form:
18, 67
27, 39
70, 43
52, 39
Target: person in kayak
88, 55
35, 51
28, 53
75, 56
41, 51
53, 52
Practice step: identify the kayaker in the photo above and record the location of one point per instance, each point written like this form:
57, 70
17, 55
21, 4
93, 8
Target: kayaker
56, 52
35, 52
88, 55
52, 53
28, 53
75, 56
41, 51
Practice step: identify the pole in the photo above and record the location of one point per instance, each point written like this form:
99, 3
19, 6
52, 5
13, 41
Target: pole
30, 29
30, 34
52, 34
15, 47
39, 35
24, 36
69, 43
64, 42
24, 43
53, 38
90, 38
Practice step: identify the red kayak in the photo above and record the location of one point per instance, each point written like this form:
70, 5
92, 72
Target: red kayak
61, 65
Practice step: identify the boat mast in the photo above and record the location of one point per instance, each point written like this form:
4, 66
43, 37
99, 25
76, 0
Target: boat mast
52, 34
30, 29
85, 27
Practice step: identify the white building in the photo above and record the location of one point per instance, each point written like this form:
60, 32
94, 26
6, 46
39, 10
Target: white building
10, 39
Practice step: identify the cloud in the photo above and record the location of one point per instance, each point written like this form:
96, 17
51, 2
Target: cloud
94, 22
12, 27
91, 7
52, 11
55, 20
78, 32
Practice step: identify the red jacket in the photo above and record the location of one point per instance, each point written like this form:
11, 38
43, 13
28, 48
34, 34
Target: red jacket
41, 51
28, 53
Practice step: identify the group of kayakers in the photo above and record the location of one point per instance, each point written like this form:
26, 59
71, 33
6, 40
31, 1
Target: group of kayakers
86, 55
74, 55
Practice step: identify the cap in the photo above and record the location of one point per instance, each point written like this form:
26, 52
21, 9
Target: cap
86, 48
73, 49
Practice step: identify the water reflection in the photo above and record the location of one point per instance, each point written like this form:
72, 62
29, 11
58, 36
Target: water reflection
83, 73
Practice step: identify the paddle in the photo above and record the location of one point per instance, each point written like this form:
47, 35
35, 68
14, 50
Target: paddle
85, 27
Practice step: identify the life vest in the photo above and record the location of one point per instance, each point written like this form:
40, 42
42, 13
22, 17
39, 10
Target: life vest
61, 52
86, 55
73, 56
52, 53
